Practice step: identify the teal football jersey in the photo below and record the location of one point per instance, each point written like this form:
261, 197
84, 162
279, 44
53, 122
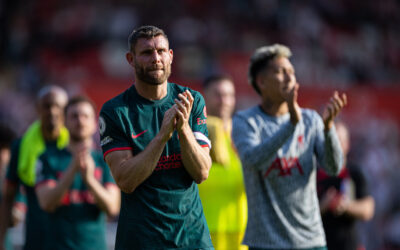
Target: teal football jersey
165, 211
78, 223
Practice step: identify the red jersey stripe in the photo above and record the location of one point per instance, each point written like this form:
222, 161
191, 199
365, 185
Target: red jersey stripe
115, 149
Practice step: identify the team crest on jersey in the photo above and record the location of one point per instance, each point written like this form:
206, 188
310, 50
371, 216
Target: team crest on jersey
102, 125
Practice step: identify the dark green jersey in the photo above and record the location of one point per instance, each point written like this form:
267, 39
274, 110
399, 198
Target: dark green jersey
36, 218
165, 210
78, 223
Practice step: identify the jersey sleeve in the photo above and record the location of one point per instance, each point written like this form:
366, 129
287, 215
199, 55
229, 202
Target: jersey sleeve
360, 182
199, 120
44, 174
112, 137
107, 177
327, 147
257, 151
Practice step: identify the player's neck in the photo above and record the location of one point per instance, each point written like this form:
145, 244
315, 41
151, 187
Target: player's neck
274, 108
227, 124
152, 92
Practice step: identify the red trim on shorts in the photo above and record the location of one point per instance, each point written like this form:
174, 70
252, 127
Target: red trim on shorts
115, 149
204, 146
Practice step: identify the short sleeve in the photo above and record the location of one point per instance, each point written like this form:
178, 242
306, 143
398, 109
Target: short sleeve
199, 120
360, 181
107, 177
112, 137
319, 133
327, 147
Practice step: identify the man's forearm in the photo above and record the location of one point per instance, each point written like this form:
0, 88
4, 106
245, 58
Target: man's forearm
105, 199
333, 161
196, 159
362, 209
50, 197
263, 154
132, 171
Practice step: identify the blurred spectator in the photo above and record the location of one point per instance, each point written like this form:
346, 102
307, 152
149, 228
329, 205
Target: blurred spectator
334, 44
344, 200
223, 196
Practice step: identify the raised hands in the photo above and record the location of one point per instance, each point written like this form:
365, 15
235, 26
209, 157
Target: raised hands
291, 99
333, 108
83, 161
177, 116
183, 108
86, 166
334, 202
168, 124
291, 95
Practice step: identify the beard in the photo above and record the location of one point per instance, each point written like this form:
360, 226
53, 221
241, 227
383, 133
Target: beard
144, 75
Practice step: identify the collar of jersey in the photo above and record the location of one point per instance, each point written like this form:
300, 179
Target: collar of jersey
138, 98
279, 119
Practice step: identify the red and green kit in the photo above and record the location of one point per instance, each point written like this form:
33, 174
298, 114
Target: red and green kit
164, 211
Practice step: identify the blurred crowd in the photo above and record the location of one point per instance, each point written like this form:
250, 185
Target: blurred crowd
335, 44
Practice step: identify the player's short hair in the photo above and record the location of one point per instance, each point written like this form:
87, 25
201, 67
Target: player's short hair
79, 99
146, 31
210, 80
261, 58
7, 135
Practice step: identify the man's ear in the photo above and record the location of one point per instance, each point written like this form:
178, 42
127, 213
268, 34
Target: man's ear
172, 54
129, 57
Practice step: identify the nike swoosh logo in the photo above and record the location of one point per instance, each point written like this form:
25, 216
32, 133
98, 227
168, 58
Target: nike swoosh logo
141, 133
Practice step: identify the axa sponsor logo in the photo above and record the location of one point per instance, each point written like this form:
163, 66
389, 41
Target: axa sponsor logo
284, 166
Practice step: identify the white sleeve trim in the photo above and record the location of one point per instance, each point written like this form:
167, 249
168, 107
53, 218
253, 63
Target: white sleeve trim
201, 137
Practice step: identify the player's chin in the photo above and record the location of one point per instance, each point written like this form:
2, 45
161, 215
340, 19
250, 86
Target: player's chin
156, 80
78, 136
